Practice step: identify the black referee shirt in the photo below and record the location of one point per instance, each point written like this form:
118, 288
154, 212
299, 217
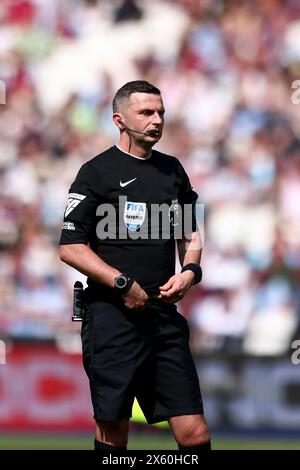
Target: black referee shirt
110, 207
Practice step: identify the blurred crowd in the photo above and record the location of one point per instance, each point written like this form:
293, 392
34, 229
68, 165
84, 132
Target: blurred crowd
225, 69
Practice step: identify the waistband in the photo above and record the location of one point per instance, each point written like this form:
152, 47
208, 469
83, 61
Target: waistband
104, 293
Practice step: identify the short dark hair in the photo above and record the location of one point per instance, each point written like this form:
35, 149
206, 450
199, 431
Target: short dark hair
136, 86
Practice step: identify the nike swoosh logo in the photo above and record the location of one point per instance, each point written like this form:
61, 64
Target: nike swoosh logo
126, 183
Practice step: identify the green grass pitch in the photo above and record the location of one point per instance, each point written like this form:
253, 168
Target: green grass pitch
146, 441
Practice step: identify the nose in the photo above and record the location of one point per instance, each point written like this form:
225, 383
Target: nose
157, 118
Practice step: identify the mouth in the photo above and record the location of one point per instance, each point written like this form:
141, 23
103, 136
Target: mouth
154, 133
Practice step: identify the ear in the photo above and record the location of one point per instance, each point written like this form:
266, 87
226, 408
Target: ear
117, 118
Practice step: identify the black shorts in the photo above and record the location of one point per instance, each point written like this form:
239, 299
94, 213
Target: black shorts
143, 354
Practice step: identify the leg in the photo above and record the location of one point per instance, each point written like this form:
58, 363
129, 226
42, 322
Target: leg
110, 371
113, 433
190, 430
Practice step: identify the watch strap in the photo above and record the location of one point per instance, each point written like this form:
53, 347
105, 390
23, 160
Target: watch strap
127, 287
196, 270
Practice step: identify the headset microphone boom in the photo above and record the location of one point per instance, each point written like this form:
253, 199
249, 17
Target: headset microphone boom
152, 133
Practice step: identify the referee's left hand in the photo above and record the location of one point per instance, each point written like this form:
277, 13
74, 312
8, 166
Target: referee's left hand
176, 287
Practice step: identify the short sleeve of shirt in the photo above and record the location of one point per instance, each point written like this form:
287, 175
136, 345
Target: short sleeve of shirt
79, 216
187, 198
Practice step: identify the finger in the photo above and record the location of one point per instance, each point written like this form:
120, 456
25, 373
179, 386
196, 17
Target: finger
129, 306
172, 288
175, 290
167, 285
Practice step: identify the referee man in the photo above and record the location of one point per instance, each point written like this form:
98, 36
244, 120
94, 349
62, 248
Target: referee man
135, 343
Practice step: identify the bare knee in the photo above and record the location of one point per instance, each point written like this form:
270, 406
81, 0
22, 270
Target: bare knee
114, 433
190, 430
194, 437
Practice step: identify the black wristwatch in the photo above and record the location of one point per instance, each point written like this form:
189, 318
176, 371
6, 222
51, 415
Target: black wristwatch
123, 283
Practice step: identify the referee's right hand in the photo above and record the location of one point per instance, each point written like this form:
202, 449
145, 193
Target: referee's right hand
135, 298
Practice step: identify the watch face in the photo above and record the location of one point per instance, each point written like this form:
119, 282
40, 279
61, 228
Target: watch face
121, 282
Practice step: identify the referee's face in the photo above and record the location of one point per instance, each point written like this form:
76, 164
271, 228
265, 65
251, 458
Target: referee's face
145, 113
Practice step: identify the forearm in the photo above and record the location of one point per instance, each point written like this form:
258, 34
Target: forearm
189, 251
82, 258
178, 285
